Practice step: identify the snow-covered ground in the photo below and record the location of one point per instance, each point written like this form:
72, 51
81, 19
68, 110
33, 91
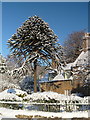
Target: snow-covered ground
16, 95
9, 113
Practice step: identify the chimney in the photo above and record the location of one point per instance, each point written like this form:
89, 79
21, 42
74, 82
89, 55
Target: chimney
86, 42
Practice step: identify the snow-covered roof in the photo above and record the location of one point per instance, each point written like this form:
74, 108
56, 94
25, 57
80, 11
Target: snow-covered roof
59, 77
83, 59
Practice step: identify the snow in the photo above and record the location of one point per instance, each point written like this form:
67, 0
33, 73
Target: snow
9, 97
59, 77
51, 95
83, 59
12, 94
9, 113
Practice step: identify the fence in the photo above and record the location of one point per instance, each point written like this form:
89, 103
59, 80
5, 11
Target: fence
51, 107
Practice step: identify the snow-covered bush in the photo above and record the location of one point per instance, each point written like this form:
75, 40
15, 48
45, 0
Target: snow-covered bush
12, 95
16, 91
52, 97
44, 97
9, 97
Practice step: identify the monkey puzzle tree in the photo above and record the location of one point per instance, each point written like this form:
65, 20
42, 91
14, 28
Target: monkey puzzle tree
36, 43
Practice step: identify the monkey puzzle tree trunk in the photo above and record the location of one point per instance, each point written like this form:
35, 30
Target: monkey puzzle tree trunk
35, 76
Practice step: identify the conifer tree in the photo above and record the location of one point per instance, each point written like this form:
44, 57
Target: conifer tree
36, 43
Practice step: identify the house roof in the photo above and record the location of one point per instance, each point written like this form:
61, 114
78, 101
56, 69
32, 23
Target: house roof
59, 77
83, 59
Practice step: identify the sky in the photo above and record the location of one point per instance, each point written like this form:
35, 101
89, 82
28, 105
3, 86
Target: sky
62, 17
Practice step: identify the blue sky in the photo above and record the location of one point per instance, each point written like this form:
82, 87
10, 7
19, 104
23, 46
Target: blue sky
63, 17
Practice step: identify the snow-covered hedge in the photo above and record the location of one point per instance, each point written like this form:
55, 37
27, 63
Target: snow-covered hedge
52, 97
9, 97
49, 97
12, 95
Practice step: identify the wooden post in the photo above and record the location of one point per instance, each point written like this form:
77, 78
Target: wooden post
35, 76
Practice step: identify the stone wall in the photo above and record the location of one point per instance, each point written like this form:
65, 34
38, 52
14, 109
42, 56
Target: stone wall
57, 86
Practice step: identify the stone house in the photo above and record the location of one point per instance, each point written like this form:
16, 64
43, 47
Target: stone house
59, 84
74, 75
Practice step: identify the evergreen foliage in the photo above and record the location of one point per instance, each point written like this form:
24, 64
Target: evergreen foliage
35, 40
36, 43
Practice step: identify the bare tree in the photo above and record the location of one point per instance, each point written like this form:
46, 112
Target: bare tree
73, 45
